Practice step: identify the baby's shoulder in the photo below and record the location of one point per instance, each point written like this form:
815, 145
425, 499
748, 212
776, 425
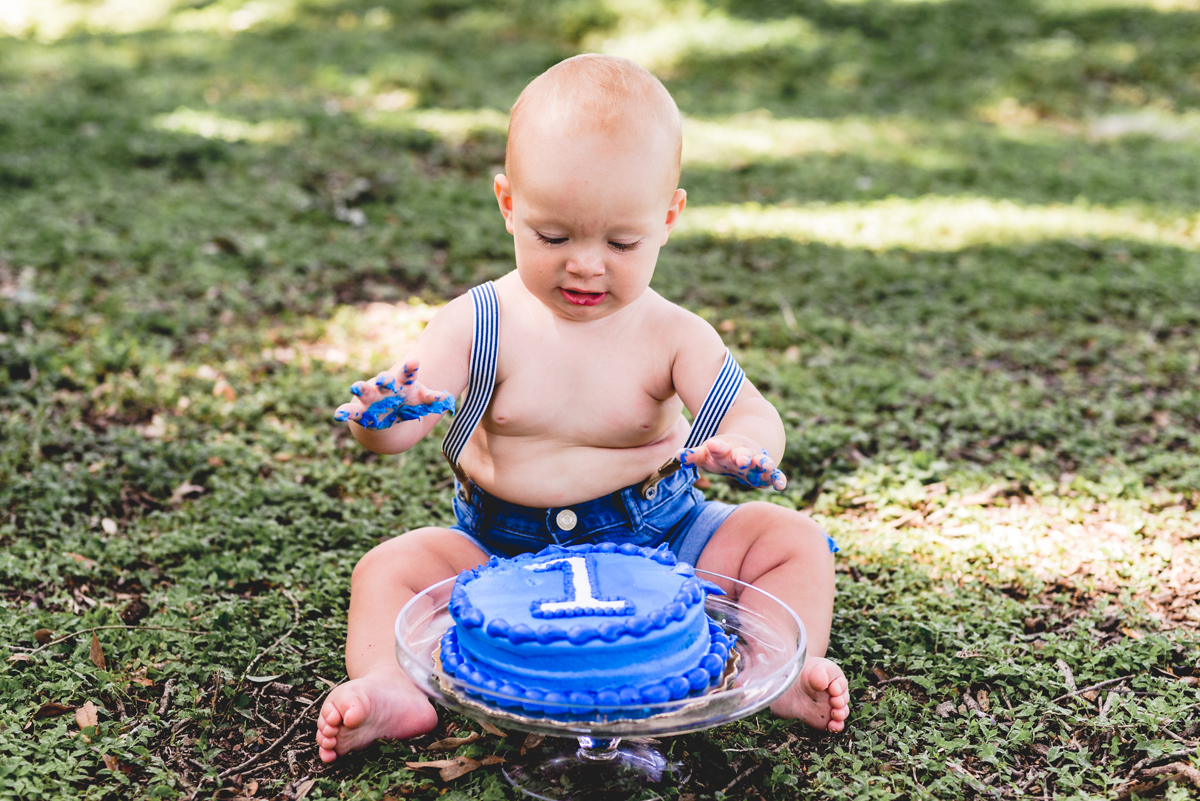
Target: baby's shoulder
453, 326
672, 323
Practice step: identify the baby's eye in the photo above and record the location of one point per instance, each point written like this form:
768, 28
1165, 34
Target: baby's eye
624, 247
548, 240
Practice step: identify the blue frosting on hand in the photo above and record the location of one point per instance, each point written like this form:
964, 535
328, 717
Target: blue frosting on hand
387, 411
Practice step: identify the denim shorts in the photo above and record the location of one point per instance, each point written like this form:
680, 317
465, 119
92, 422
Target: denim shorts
678, 515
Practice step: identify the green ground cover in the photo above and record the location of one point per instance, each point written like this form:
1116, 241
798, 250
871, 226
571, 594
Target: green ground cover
955, 242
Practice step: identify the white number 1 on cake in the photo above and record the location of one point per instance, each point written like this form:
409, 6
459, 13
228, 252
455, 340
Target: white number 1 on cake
581, 598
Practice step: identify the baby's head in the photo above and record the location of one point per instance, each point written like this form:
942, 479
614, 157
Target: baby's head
590, 191
596, 95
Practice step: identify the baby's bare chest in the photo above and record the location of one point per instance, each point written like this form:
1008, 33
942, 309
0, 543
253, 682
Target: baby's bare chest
609, 394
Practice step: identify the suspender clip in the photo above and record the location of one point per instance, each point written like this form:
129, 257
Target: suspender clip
648, 489
464, 482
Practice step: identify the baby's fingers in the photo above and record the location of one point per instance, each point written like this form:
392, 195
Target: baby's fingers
761, 472
348, 411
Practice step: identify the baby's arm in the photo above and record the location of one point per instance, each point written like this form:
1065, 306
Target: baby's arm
393, 411
750, 440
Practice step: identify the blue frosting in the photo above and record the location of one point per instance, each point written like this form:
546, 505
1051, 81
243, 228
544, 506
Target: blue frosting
692, 592
635, 701
665, 651
751, 475
385, 412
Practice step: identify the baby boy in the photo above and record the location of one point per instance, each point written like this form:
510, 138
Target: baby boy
580, 373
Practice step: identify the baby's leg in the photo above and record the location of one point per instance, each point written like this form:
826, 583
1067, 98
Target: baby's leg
379, 701
785, 553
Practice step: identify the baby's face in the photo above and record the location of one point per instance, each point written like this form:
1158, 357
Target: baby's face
588, 214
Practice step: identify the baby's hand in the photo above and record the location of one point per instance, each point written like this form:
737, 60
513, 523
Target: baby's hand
716, 455
386, 399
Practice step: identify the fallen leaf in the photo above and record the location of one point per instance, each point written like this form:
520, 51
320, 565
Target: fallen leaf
83, 560
532, 742
183, 490
303, 787
20, 658
264, 679
982, 498
43, 636
111, 762
450, 769
450, 743
222, 389
51, 709
142, 680
492, 759
251, 789
96, 653
86, 715
109, 525
490, 729
944, 709
1132, 634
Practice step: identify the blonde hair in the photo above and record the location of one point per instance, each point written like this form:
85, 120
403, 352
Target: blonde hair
594, 92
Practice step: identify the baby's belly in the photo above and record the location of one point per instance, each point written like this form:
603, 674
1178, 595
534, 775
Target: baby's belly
548, 473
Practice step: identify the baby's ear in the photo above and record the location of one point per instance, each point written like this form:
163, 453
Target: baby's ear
678, 201
504, 198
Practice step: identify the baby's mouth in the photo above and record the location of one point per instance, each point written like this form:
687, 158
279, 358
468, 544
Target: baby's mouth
582, 298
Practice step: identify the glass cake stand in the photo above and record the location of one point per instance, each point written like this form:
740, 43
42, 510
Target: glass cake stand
610, 757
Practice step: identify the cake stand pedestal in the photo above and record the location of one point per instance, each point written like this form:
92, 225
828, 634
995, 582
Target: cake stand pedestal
609, 758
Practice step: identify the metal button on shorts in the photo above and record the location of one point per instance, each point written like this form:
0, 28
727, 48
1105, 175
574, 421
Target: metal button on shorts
566, 520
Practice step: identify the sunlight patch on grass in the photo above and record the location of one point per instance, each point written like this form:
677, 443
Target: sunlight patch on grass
214, 126
1088, 6
756, 136
663, 46
50, 20
369, 339
227, 17
1115, 543
933, 223
455, 127
893, 2
1156, 123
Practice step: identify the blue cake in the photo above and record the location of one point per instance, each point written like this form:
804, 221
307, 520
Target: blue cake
585, 626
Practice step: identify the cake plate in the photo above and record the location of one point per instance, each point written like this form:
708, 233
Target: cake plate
611, 756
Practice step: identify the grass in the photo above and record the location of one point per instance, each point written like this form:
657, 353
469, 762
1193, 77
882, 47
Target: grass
954, 242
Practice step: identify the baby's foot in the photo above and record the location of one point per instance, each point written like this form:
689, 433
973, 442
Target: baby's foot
820, 697
374, 707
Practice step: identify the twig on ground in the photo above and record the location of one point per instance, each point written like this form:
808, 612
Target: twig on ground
74, 634
168, 688
1082, 690
299, 719
741, 777
272, 646
1160, 776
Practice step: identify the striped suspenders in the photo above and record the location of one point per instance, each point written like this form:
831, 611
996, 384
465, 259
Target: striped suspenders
720, 397
482, 381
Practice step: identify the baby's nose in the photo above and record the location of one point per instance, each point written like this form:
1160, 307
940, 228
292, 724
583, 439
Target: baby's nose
586, 263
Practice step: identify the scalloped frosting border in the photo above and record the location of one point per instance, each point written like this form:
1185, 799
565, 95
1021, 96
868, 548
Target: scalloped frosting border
536, 700
692, 592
